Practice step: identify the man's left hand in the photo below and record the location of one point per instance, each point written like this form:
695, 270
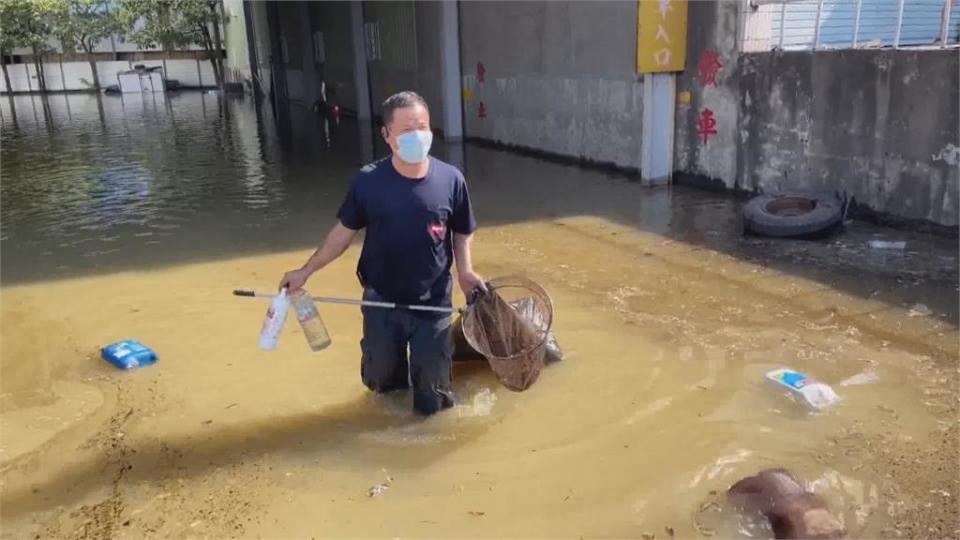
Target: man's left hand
470, 281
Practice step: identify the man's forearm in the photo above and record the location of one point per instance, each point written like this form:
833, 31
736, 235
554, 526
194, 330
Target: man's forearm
337, 241
461, 252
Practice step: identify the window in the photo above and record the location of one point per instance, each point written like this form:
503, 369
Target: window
833, 24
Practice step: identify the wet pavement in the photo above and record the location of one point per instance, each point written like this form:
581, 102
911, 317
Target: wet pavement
136, 217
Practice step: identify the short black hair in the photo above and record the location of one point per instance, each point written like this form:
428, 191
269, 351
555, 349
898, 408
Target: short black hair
400, 100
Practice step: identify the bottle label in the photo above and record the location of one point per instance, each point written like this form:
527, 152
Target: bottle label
306, 311
266, 322
794, 379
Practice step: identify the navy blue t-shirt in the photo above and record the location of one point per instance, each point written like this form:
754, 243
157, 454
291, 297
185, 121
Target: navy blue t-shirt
408, 249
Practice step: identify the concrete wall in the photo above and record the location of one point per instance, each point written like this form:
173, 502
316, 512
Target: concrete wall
107, 71
237, 63
76, 76
878, 124
559, 77
712, 29
18, 78
261, 36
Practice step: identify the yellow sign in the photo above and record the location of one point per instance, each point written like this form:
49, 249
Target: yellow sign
661, 36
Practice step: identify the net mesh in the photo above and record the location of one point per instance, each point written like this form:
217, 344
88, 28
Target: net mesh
510, 326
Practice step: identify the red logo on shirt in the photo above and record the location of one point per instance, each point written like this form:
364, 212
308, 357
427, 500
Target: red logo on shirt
437, 230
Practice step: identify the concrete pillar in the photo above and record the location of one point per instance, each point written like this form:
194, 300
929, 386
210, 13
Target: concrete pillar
450, 70
259, 22
361, 79
311, 86
659, 107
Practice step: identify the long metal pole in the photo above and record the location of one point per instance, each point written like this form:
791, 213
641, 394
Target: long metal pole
945, 24
856, 23
816, 29
783, 20
758, 3
351, 302
896, 36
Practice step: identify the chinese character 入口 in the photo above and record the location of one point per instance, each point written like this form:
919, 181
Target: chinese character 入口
662, 34
662, 57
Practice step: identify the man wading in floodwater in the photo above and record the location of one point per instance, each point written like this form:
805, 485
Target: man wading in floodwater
418, 217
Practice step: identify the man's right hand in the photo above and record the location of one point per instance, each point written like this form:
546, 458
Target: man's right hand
294, 279
336, 242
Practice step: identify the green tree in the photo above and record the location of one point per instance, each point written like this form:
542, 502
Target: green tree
28, 23
175, 24
82, 23
8, 40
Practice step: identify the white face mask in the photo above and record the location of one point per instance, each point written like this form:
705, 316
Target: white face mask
414, 146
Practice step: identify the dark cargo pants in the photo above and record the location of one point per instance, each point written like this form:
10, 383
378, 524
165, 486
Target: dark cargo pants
384, 365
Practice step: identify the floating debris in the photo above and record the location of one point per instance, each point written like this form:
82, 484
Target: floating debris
887, 244
378, 489
919, 310
712, 505
865, 377
705, 531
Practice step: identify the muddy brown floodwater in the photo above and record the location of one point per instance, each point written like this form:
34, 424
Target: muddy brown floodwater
668, 318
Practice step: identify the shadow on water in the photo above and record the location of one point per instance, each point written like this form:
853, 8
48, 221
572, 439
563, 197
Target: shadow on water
332, 436
94, 185
328, 436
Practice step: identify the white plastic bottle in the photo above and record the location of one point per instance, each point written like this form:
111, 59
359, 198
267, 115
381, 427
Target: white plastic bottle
273, 324
815, 394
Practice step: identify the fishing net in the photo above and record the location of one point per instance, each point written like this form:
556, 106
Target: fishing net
510, 326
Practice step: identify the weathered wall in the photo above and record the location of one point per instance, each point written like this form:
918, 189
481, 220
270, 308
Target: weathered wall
559, 77
881, 125
259, 21
237, 62
712, 32
878, 124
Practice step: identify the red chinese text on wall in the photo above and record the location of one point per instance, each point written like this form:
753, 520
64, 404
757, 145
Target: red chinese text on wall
707, 126
709, 66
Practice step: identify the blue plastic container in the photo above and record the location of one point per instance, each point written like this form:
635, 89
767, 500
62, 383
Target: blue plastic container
128, 354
